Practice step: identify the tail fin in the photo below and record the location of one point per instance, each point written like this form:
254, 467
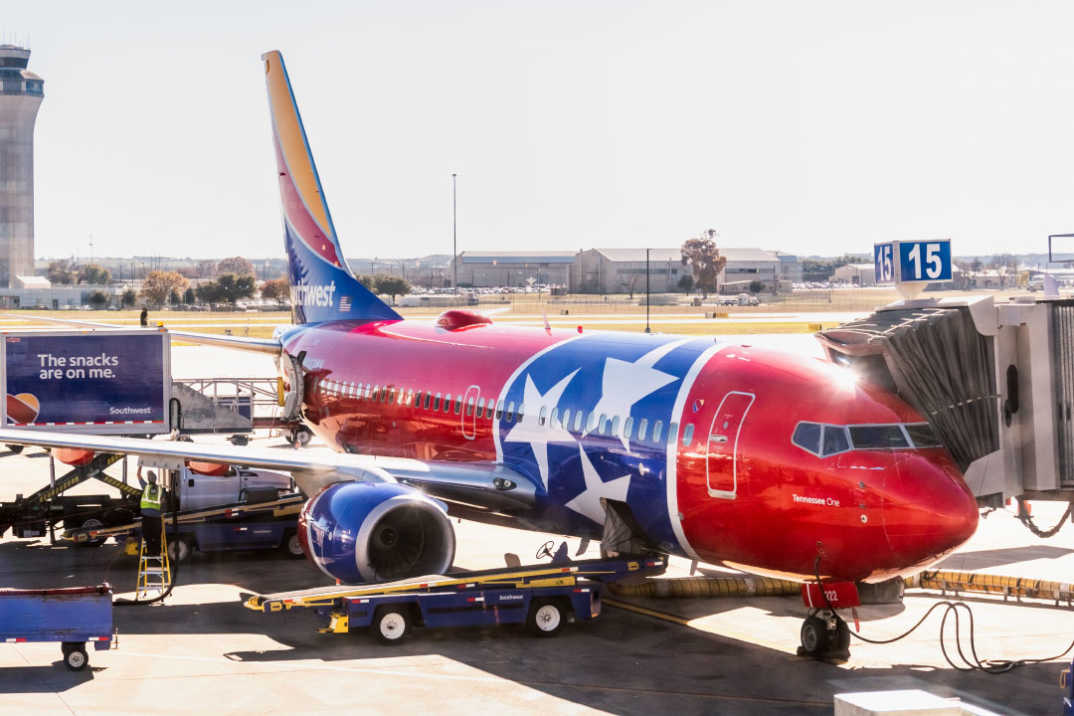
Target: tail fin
322, 286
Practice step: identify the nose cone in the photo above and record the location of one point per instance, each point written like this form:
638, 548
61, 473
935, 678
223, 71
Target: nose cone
928, 511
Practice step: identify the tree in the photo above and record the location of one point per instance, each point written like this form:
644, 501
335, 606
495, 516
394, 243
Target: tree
392, 285
228, 288
368, 281
129, 297
189, 297
235, 265
61, 272
278, 289
208, 292
98, 299
205, 269
174, 298
158, 285
704, 260
686, 283
94, 275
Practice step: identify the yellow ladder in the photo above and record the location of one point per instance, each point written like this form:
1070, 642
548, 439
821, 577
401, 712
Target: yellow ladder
154, 571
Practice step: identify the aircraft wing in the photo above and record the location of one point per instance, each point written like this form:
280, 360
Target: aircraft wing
485, 485
258, 345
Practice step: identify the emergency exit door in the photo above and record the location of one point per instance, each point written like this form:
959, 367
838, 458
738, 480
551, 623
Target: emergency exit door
722, 463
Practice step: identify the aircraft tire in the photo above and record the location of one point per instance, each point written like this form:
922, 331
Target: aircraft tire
291, 545
814, 636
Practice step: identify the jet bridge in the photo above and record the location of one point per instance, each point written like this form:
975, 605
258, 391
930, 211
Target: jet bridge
995, 381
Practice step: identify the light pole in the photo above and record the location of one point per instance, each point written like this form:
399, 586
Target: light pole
647, 330
454, 240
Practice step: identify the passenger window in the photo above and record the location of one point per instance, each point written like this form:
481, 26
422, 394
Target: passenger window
688, 435
658, 431
591, 423
615, 426
509, 415
673, 432
417, 399
807, 437
578, 421
866, 437
499, 409
436, 402
643, 428
469, 406
488, 409
543, 414
480, 406
391, 395
628, 427
428, 400
447, 402
520, 413
835, 440
458, 404
566, 419
553, 417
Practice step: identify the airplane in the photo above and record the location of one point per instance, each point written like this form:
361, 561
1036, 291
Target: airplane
714, 451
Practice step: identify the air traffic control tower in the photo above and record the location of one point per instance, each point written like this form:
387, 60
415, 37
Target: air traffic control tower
21, 92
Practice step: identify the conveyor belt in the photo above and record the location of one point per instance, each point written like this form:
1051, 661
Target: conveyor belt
517, 577
279, 508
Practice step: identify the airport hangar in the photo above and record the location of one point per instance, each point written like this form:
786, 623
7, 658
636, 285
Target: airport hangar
622, 270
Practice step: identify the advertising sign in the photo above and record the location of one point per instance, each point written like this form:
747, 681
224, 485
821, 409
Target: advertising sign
107, 382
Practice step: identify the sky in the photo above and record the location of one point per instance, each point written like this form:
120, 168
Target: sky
810, 128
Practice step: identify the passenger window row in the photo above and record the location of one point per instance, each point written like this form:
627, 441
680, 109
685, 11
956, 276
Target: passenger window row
577, 421
825, 440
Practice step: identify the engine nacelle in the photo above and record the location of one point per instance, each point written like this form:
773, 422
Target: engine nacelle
362, 532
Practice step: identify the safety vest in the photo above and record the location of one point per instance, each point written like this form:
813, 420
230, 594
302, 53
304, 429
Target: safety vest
151, 497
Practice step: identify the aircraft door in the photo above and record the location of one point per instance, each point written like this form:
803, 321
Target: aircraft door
468, 414
722, 463
290, 386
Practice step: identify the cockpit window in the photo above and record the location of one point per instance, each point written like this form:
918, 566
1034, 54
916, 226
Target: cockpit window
923, 436
867, 437
835, 440
807, 437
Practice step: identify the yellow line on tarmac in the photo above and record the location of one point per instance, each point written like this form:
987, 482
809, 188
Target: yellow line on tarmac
646, 612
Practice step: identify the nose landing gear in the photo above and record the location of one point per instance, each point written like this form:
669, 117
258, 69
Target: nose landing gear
825, 636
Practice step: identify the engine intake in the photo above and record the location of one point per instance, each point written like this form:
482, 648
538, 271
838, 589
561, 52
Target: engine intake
361, 532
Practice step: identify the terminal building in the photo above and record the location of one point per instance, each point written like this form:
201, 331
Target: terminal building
21, 92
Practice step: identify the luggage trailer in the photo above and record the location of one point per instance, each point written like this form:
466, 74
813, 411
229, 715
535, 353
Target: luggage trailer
544, 597
72, 616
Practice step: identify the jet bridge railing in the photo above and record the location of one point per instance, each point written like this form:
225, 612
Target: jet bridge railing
226, 404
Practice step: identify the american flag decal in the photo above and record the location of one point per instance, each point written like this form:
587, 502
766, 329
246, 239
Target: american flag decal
345, 304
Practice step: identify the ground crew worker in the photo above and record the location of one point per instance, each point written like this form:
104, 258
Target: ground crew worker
144, 317
151, 505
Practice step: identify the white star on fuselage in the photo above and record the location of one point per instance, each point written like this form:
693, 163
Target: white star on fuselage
625, 383
587, 502
528, 430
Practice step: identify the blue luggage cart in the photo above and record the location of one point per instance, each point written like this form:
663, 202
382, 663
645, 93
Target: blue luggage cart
69, 615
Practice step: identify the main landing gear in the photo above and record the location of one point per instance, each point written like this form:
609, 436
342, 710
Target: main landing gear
825, 636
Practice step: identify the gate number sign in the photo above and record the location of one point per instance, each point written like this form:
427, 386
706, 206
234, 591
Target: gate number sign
911, 261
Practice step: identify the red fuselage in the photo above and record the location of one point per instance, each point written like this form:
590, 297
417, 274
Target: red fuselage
765, 461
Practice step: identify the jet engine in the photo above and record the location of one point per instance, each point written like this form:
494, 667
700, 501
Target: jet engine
363, 532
